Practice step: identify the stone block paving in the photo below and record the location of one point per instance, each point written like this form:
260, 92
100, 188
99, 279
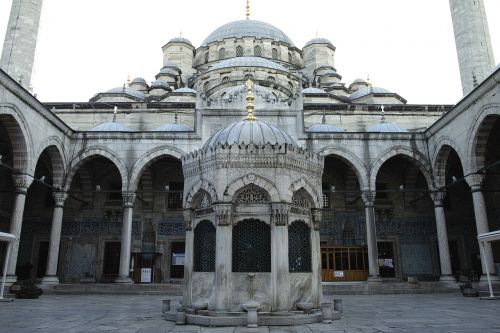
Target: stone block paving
362, 314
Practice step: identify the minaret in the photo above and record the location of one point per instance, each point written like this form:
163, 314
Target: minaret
20, 40
472, 38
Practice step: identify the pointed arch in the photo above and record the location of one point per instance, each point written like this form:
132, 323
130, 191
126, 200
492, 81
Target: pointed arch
254, 179
303, 183
440, 158
351, 160
55, 150
202, 185
91, 152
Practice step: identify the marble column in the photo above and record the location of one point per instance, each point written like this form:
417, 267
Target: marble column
442, 237
223, 256
316, 289
21, 185
280, 280
55, 238
126, 243
371, 235
475, 182
188, 258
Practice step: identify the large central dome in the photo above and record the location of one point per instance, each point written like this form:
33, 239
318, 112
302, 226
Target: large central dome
247, 28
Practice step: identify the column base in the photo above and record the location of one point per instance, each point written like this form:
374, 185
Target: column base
10, 280
447, 279
124, 279
50, 280
374, 279
493, 278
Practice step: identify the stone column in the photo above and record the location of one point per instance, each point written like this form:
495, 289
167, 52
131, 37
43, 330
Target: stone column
55, 238
126, 243
371, 235
21, 184
188, 257
316, 290
223, 256
475, 182
442, 236
280, 280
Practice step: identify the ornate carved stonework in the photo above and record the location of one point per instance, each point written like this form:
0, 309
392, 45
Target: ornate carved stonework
188, 218
438, 198
128, 199
21, 183
316, 218
223, 214
59, 198
252, 194
475, 181
280, 214
368, 198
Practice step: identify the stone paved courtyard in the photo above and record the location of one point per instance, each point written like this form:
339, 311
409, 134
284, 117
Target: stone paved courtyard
393, 313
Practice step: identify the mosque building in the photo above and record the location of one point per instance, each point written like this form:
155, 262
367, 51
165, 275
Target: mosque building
249, 154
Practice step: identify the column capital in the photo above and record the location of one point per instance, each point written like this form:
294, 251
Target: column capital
223, 213
368, 198
317, 215
21, 183
59, 198
188, 218
128, 199
280, 213
475, 181
438, 197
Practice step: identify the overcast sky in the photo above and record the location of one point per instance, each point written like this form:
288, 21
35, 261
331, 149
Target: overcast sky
90, 46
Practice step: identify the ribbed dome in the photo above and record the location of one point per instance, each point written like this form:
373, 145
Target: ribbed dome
248, 62
246, 132
323, 128
318, 41
111, 126
247, 28
173, 128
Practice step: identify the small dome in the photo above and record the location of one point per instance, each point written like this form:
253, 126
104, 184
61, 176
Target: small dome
139, 80
312, 90
173, 128
180, 40
169, 71
386, 127
318, 41
323, 128
111, 126
360, 80
185, 90
247, 132
248, 62
367, 91
128, 91
160, 84
170, 64
247, 28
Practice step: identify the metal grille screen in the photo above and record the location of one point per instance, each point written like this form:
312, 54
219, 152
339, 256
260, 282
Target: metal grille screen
299, 247
251, 247
204, 247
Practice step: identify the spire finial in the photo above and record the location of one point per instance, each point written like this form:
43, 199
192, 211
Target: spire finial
128, 80
114, 113
382, 120
323, 120
317, 33
248, 10
180, 33
250, 107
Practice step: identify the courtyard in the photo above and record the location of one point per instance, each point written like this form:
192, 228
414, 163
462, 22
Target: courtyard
377, 313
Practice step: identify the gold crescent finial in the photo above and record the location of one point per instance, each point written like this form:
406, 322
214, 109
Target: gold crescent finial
250, 98
248, 10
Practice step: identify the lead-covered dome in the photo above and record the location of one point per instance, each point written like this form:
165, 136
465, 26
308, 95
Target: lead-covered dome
247, 132
247, 28
111, 126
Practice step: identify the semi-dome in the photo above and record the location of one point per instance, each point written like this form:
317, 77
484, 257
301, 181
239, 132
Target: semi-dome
323, 128
312, 90
318, 41
248, 62
111, 126
161, 84
247, 28
386, 127
247, 132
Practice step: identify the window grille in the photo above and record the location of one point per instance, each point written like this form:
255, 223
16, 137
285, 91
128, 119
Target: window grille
271, 79
290, 57
225, 79
204, 247
222, 53
252, 247
300, 203
326, 200
203, 204
248, 77
206, 57
275, 54
299, 247
252, 194
239, 51
257, 51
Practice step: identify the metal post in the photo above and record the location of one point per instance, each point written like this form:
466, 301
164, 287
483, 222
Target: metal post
487, 269
5, 268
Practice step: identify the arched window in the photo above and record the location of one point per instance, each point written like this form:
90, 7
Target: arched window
222, 53
204, 247
271, 79
239, 51
206, 57
248, 77
205, 86
257, 51
290, 57
252, 194
225, 79
275, 53
299, 247
252, 246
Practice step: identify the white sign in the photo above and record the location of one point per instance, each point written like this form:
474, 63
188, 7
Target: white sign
339, 274
178, 259
146, 275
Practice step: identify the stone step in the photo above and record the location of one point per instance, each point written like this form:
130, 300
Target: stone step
369, 288
115, 288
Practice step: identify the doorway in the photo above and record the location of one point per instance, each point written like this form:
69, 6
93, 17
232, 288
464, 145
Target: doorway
43, 253
386, 262
111, 262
